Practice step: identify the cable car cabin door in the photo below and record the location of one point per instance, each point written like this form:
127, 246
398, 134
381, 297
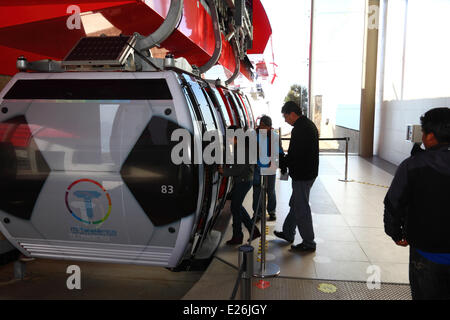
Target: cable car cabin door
86, 171
208, 120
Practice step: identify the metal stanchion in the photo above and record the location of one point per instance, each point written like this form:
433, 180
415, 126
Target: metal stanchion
346, 162
266, 270
246, 264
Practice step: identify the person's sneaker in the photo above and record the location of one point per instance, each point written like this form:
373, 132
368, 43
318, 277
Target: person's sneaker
301, 247
281, 235
272, 217
256, 234
235, 241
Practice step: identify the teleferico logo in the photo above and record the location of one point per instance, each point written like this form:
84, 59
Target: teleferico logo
88, 201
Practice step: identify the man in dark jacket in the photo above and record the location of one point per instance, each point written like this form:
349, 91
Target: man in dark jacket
302, 161
417, 211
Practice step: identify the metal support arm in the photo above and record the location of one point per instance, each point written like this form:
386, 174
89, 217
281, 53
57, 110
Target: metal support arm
217, 36
169, 25
238, 62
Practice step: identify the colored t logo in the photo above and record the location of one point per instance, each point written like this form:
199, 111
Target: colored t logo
87, 196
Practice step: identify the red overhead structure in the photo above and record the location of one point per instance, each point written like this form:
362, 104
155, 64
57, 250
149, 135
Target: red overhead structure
261, 28
42, 29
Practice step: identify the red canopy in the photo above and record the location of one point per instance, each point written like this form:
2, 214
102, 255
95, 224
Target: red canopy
262, 29
38, 29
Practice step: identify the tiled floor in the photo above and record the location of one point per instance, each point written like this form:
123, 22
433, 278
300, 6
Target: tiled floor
46, 280
348, 224
223, 276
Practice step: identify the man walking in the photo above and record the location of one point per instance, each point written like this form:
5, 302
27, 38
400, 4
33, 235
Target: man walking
416, 209
302, 161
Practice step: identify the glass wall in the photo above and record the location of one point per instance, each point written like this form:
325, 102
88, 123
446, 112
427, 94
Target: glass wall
427, 50
413, 70
338, 43
395, 42
417, 50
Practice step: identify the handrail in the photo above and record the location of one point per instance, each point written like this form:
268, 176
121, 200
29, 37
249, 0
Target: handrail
346, 139
324, 139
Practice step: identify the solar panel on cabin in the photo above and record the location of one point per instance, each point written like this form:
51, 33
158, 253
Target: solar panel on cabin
98, 48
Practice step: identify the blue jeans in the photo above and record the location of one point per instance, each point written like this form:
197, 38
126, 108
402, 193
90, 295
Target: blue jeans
240, 215
428, 280
299, 215
271, 197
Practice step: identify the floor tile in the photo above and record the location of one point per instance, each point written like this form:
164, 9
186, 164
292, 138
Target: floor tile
374, 235
341, 251
334, 233
295, 266
394, 272
329, 220
361, 220
357, 209
383, 252
343, 270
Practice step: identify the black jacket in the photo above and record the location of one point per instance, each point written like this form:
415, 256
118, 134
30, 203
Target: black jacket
303, 153
417, 203
240, 172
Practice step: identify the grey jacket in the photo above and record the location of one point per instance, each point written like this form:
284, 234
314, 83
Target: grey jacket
240, 172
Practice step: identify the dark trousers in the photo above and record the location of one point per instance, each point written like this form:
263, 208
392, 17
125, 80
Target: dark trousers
300, 213
271, 197
240, 215
428, 280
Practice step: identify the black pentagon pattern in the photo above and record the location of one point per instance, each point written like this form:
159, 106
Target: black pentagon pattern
23, 169
165, 191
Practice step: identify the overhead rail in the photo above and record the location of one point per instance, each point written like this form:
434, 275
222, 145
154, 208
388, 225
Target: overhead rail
169, 25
